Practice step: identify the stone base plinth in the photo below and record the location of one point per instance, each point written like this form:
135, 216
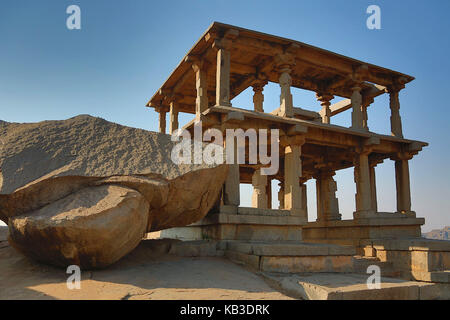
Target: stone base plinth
296, 257
417, 259
233, 223
351, 232
361, 215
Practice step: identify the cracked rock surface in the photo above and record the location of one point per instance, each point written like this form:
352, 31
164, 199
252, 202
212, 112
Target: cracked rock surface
85, 191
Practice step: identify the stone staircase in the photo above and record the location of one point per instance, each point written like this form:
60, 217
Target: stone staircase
319, 271
294, 257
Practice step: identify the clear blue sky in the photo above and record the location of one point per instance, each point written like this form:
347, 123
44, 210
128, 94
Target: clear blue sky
126, 49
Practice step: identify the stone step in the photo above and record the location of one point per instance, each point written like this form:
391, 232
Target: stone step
362, 263
292, 257
289, 248
201, 248
433, 276
350, 286
244, 226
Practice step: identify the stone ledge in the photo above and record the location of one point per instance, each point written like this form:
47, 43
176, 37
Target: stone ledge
433, 276
393, 221
262, 212
411, 244
290, 249
221, 218
200, 248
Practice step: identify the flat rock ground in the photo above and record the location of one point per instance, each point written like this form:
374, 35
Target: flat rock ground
146, 273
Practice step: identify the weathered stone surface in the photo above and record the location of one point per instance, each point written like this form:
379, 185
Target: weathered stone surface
44, 165
92, 228
148, 272
332, 286
82, 146
191, 196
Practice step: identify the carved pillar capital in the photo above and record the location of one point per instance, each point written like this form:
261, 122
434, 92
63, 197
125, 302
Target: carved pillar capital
225, 41
284, 62
258, 85
162, 109
399, 156
297, 140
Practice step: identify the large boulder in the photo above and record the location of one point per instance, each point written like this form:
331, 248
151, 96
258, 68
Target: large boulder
82, 146
63, 181
91, 228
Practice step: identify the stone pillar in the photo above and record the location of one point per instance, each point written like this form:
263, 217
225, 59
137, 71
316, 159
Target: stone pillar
373, 187
325, 113
292, 173
201, 101
269, 193
357, 116
173, 124
231, 189
259, 197
162, 119
286, 105
327, 203
258, 96
304, 199
284, 64
281, 196
394, 104
403, 184
366, 103
363, 195
223, 73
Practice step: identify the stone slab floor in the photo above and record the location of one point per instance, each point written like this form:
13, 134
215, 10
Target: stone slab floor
349, 286
147, 273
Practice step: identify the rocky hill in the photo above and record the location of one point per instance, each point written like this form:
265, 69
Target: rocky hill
439, 234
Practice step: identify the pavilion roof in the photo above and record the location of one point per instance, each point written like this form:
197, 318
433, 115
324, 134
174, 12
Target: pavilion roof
254, 54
